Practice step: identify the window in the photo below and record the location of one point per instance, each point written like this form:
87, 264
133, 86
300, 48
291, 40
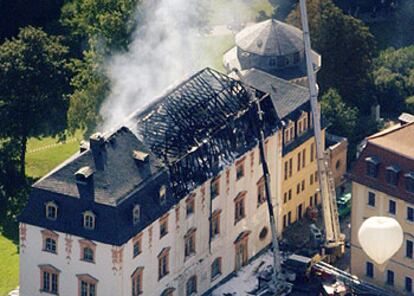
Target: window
316, 176
241, 249
88, 249
215, 223
168, 292
191, 286
50, 240
87, 285
290, 167
391, 175
299, 159
289, 133
239, 210
303, 158
303, 185
88, 254
240, 169
410, 214
286, 170
409, 182
89, 220
137, 245
190, 243
190, 205
163, 263
289, 218
272, 63
409, 249
298, 188
372, 166
261, 193
136, 214
216, 268
50, 245
311, 179
215, 187
316, 199
284, 222
392, 207
136, 279
51, 210
290, 194
285, 197
408, 284
163, 195
312, 152
369, 269
371, 199
390, 277
49, 279
263, 233
163, 225
311, 201
281, 61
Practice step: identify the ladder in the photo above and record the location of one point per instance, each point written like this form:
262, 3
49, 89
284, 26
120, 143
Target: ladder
333, 237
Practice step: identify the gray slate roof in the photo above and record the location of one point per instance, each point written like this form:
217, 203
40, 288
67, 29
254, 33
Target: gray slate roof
119, 177
286, 96
270, 38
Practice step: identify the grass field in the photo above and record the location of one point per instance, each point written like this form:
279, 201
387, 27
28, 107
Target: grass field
46, 153
9, 266
225, 11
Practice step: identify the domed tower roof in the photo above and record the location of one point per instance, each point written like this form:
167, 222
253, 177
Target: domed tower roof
270, 38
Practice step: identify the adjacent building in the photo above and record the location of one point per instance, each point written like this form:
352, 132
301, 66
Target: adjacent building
383, 185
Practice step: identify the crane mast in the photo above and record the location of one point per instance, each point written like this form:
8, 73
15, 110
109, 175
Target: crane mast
333, 236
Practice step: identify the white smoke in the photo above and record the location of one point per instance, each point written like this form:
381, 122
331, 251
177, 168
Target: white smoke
167, 47
164, 50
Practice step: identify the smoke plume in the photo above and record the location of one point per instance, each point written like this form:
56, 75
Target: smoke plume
166, 48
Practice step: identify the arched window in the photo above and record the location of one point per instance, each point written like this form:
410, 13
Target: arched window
88, 254
89, 220
216, 268
50, 245
191, 287
136, 214
51, 210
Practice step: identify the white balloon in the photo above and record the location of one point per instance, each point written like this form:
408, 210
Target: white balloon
380, 238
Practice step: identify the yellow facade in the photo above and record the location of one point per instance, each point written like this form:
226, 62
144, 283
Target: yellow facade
299, 177
401, 265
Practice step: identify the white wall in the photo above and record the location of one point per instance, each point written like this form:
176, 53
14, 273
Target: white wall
119, 283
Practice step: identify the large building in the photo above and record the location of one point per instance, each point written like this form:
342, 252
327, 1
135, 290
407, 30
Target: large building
383, 185
173, 203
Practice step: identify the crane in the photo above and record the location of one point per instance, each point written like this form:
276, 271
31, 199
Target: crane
334, 240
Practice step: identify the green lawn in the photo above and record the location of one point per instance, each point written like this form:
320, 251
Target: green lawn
9, 266
225, 11
46, 153
213, 48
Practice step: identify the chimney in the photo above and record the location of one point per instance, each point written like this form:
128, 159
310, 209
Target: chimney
96, 144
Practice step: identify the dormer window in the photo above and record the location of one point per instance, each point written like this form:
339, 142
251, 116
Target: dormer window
163, 195
136, 214
296, 57
51, 210
409, 182
89, 220
302, 123
372, 166
83, 174
391, 174
289, 132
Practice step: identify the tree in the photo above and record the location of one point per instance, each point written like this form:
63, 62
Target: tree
34, 79
393, 76
342, 119
347, 48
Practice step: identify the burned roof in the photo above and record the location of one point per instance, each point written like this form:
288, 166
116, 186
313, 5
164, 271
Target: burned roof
186, 117
286, 96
